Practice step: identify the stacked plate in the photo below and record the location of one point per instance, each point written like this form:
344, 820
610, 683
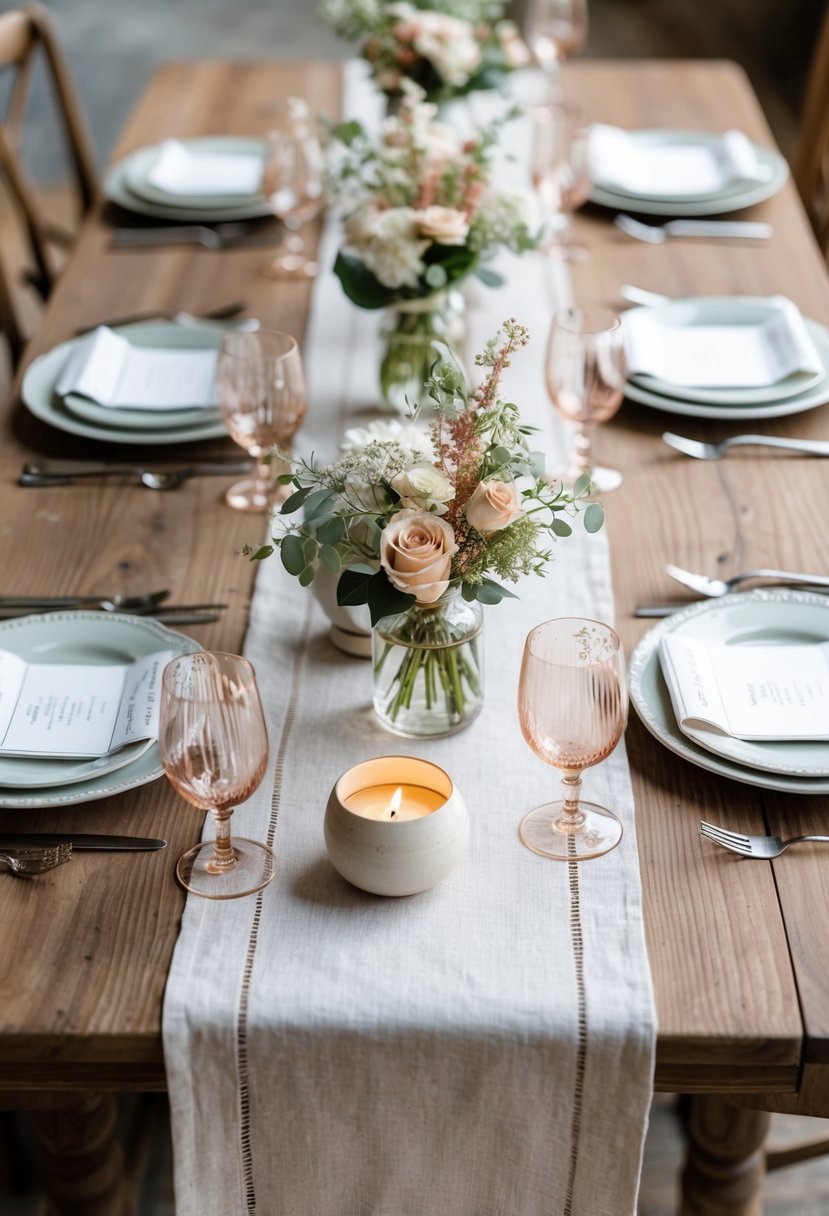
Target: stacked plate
775, 617
133, 182
731, 197
795, 393
88, 638
80, 416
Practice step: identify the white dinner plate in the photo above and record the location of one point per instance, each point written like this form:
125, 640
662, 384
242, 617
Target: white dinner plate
731, 198
141, 164
40, 377
783, 616
725, 311
122, 178
94, 638
817, 395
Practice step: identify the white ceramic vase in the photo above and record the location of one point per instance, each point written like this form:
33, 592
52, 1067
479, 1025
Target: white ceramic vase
350, 627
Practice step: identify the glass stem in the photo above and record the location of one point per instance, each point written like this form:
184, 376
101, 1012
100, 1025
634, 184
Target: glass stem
581, 459
224, 857
571, 816
293, 241
263, 476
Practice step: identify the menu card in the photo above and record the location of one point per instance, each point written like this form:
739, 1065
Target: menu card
621, 160
667, 344
68, 710
180, 171
106, 368
759, 692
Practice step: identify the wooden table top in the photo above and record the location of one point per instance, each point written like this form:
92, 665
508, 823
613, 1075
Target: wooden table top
735, 947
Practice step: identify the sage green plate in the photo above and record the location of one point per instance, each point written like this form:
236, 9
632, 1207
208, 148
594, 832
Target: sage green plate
731, 198
781, 616
146, 427
817, 395
736, 312
128, 176
95, 638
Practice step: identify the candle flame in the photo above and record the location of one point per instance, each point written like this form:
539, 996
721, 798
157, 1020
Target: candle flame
394, 804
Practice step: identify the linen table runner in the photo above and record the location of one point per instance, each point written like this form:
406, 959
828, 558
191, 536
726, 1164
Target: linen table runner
482, 1049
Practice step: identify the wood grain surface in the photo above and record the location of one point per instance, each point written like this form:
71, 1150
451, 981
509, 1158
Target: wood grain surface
85, 951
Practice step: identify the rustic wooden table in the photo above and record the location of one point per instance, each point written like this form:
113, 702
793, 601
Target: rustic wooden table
735, 947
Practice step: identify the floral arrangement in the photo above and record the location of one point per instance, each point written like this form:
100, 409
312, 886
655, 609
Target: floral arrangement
420, 210
448, 51
402, 528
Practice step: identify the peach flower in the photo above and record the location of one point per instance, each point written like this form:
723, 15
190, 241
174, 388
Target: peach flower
444, 225
416, 551
494, 505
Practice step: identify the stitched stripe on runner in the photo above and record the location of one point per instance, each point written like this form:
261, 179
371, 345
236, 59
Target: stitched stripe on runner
242, 1022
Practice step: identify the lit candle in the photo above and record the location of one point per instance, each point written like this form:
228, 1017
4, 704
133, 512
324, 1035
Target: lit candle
394, 803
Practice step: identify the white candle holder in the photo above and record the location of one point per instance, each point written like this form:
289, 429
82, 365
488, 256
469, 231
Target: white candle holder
386, 857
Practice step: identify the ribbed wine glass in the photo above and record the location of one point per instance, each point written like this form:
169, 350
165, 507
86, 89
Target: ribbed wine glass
214, 748
561, 173
556, 30
262, 394
586, 374
293, 184
572, 705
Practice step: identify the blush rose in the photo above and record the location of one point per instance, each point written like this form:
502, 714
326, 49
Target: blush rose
416, 551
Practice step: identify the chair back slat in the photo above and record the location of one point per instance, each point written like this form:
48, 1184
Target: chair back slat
26, 34
812, 165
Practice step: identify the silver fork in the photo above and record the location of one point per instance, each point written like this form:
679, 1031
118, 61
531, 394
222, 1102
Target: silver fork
657, 234
715, 587
26, 862
763, 847
713, 451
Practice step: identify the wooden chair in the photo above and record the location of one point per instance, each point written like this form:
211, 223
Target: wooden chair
812, 164
25, 34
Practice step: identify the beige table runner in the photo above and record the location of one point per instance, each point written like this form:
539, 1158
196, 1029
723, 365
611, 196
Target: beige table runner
483, 1049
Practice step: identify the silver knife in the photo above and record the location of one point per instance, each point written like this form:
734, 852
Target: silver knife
81, 840
98, 468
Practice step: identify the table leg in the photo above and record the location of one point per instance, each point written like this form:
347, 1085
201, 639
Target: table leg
83, 1162
724, 1172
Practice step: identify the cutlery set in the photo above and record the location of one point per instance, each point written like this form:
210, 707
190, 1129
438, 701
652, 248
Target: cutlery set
216, 237
763, 848
151, 604
26, 854
44, 473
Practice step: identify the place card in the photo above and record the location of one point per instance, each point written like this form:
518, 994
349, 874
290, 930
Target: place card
106, 368
622, 160
69, 711
666, 344
763, 693
180, 171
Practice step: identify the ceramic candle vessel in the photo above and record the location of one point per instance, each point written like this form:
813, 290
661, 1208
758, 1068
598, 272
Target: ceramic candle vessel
396, 857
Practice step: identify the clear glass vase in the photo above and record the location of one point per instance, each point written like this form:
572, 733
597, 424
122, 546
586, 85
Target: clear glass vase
428, 667
411, 334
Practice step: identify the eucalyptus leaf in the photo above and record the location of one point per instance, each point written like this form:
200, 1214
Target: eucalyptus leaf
261, 554
489, 278
307, 576
294, 501
330, 558
331, 531
581, 485
292, 554
318, 504
560, 527
593, 517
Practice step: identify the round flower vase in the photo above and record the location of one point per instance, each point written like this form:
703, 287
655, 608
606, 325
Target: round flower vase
350, 628
428, 668
412, 335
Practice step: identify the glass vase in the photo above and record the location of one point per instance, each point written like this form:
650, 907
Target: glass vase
428, 667
412, 334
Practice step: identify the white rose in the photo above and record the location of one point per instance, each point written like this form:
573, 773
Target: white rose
394, 253
416, 551
493, 506
443, 225
424, 489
